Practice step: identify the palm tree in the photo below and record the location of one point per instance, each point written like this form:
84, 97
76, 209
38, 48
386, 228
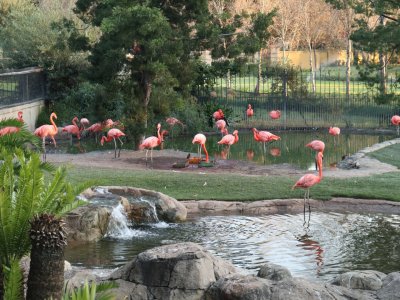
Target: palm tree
25, 193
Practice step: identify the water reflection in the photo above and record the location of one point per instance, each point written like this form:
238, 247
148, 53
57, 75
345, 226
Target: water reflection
290, 149
327, 245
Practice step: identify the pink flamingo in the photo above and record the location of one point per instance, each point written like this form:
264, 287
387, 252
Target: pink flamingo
335, 131
396, 122
84, 122
200, 139
229, 140
113, 134
275, 114
309, 180
275, 151
171, 121
73, 129
47, 131
9, 130
218, 115
96, 128
221, 126
264, 136
19, 118
318, 146
249, 111
152, 142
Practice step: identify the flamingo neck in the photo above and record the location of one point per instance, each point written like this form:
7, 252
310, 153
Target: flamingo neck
236, 138
74, 122
205, 151
53, 123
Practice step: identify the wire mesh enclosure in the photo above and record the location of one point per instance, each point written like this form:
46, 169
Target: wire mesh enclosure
22, 87
327, 101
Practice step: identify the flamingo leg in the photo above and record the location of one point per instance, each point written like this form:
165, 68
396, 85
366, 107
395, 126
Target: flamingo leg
151, 156
115, 148
308, 200
119, 152
147, 151
44, 148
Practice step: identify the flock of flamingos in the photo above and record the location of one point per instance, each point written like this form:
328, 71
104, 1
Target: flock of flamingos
114, 132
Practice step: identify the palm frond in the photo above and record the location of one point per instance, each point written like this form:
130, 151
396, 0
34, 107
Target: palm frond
13, 281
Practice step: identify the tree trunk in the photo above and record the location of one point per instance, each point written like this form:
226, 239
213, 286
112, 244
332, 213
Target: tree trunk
382, 63
147, 87
46, 274
348, 67
257, 89
1, 282
312, 73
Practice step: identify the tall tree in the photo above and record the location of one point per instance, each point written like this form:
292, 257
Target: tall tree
146, 47
382, 36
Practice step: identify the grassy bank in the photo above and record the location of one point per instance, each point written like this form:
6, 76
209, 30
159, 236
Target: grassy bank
184, 186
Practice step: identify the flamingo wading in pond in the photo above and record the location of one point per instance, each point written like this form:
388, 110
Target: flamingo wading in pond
113, 134
309, 180
47, 131
152, 142
396, 122
229, 140
200, 139
264, 136
318, 146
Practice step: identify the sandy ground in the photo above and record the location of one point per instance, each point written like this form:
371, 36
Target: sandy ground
164, 160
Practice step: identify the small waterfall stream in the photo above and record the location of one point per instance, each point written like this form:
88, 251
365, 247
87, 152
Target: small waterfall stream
118, 226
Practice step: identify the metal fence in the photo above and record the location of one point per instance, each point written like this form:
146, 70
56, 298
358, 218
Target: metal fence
291, 92
22, 87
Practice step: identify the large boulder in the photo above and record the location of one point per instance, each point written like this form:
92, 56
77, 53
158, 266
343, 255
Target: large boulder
87, 223
390, 287
274, 272
364, 280
176, 271
168, 209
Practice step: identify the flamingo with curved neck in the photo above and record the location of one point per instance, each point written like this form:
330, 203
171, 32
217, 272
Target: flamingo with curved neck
309, 180
153, 141
47, 131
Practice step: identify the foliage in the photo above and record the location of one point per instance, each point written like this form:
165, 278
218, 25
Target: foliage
383, 38
13, 279
24, 194
286, 78
91, 291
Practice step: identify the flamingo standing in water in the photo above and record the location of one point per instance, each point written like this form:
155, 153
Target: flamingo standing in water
309, 180
335, 131
73, 129
396, 122
264, 136
153, 141
249, 111
219, 115
171, 121
221, 126
200, 139
275, 114
113, 134
229, 140
47, 131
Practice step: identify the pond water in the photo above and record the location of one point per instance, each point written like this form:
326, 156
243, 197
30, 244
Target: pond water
290, 149
318, 246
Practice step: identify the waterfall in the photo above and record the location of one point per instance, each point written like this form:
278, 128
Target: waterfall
118, 225
152, 212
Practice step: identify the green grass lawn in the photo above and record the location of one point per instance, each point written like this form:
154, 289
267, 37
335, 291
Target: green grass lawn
233, 187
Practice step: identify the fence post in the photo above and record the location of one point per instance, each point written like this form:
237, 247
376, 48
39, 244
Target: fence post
284, 95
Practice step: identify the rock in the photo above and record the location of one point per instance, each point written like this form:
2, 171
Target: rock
274, 272
365, 280
142, 212
349, 162
390, 287
87, 223
238, 286
177, 271
168, 208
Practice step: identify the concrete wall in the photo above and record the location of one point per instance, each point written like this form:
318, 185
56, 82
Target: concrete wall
30, 111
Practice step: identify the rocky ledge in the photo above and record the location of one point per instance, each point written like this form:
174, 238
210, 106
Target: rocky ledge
187, 271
